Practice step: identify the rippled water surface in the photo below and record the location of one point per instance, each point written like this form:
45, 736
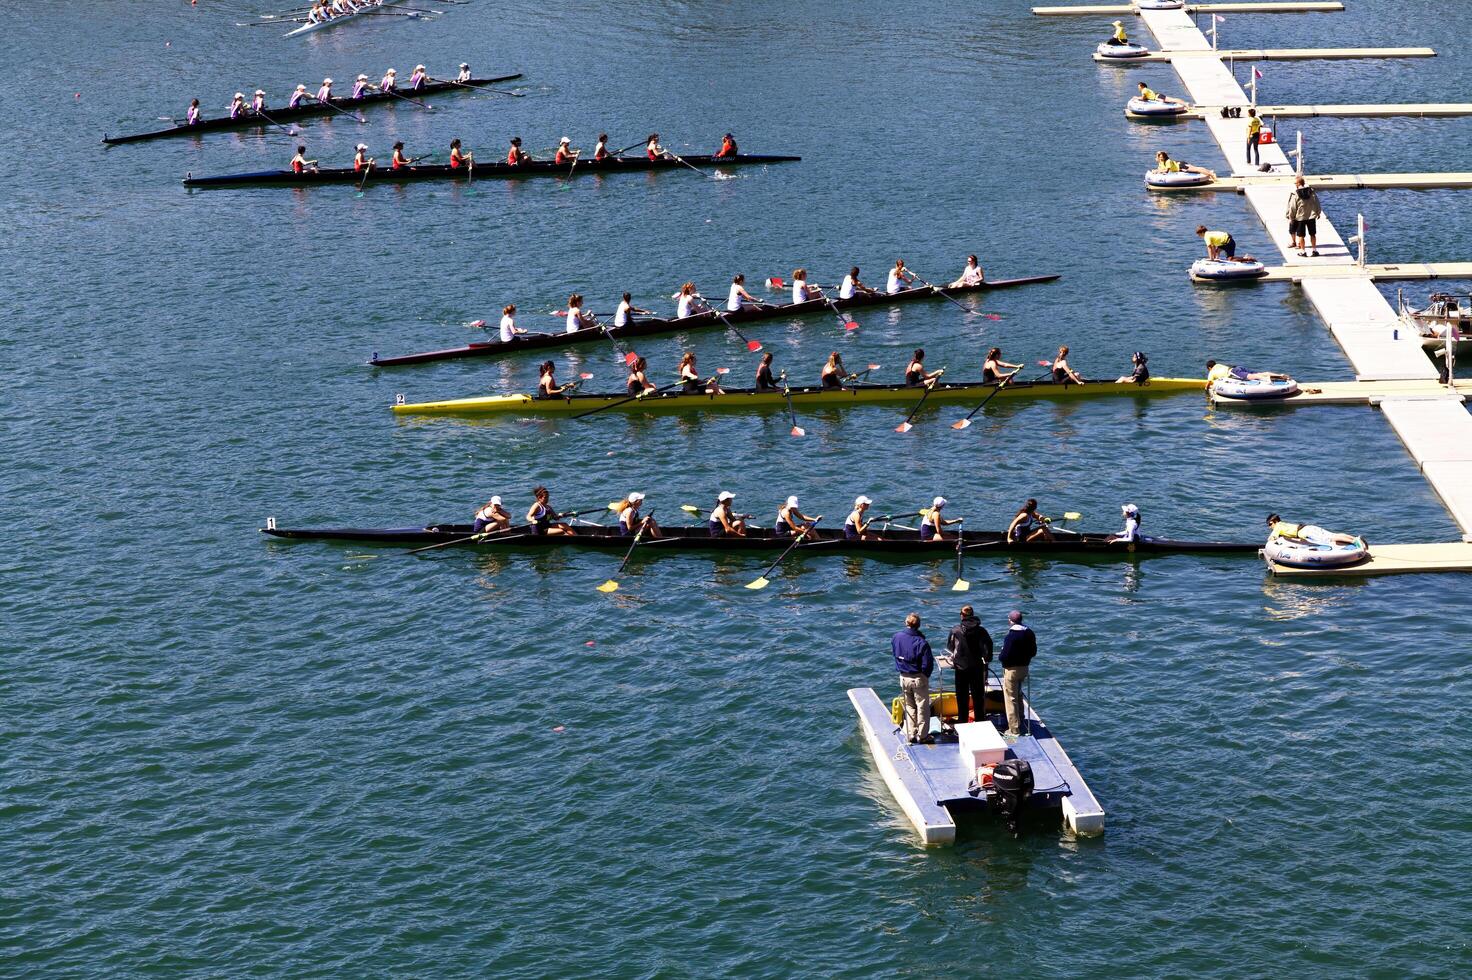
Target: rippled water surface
223, 756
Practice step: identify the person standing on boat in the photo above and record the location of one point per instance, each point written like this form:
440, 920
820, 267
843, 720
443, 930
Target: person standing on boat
541, 517
626, 310
914, 662
417, 78
790, 519
509, 329
722, 520
191, 118
629, 521
1303, 217
1018, 648
390, 82
577, 318
492, 517
464, 75
324, 94
992, 372
970, 647
1254, 137
900, 278
738, 298
932, 524
972, 275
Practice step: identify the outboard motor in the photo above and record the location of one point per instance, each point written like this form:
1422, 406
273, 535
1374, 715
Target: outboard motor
1011, 786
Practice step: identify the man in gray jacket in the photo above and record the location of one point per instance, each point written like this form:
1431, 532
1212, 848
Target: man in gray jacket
1303, 214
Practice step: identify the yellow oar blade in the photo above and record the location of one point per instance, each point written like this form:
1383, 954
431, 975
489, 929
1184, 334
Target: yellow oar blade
690, 508
760, 583
961, 586
609, 586
1072, 515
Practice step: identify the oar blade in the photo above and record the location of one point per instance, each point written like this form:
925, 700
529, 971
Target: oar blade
961, 586
1072, 515
753, 346
905, 426
798, 432
690, 508
962, 424
993, 316
759, 583
630, 358
609, 586
851, 325
775, 282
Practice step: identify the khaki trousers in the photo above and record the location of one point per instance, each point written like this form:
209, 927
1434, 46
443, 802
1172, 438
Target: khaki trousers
916, 689
1012, 678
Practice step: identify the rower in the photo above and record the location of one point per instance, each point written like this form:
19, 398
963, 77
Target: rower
1165, 165
638, 382
417, 78
932, 524
390, 82
300, 164
1119, 36
1029, 525
324, 94
1150, 95
1139, 371
791, 520
547, 386
1131, 532
834, 373
688, 302
258, 102
400, 161
690, 382
629, 521
237, 105
900, 278
626, 310
915, 373
361, 87
191, 117
1222, 372
856, 528
1307, 533
509, 329
738, 298
1062, 373
728, 148
992, 372
723, 521
565, 152
297, 97
577, 318
600, 152
492, 517
652, 149
540, 515
851, 285
972, 275
515, 155
464, 75
764, 379
361, 159
801, 291
458, 157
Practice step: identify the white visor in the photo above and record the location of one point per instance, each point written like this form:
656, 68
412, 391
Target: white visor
791, 501
861, 501
726, 495
635, 497
496, 501
938, 502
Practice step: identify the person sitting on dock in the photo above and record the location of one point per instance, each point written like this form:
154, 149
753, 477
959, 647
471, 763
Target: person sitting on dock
790, 519
1029, 525
1131, 532
1139, 372
972, 275
1222, 372
1019, 648
992, 372
855, 528
492, 517
723, 521
914, 662
1150, 95
540, 516
1303, 217
1309, 533
1221, 246
629, 521
900, 278
1119, 36
970, 647
932, 524
1062, 373
547, 386
509, 329
1165, 165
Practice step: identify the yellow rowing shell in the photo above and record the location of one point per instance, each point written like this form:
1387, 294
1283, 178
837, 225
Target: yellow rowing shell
803, 398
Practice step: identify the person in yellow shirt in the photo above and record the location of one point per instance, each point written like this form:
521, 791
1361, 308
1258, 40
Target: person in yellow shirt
1254, 132
1222, 372
1119, 37
1221, 246
1309, 533
1150, 95
1165, 165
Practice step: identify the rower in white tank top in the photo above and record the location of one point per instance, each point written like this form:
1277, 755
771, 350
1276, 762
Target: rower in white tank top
799, 290
621, 315
847, 289
686, 306
738, 296
900, 278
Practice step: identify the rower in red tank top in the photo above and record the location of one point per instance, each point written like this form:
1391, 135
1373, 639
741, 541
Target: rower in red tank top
300, 164
514, 156
728, 147
600, 152
458, 158
399, 159
361, 159
652, 147
565, 152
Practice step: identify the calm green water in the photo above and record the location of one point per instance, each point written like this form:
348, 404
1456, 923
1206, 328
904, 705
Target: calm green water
223, 756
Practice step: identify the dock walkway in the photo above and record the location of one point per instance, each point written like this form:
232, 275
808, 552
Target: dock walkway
1115, 10
1262, 54
1335, 182
1388, 110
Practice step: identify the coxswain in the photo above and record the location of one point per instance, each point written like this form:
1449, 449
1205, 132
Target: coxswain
492, 517
1029, 525
515, 155
915, 373
900, 278
790, 519
361, 159
856, 528
417, 78
258, 101
1062, 373
237, 105
390, 82
600, 152
624, 315
324, 94
1119, 36
1165, 165
1131, 532
1150, 95
993, 369
801, 291
509, 329
851, 286
688, 302
547, 386
1306, 533
764, 379
565, 153
932, 524
652, 149
1139, 370
629, 521
722, 520
464, 75
297, 97
300, 164
834, 373
1224, 372
577, 317
191, 117
361, 87
738, 298
638, 381
972, 275
728, 148
400, 161
459, 157
541, 517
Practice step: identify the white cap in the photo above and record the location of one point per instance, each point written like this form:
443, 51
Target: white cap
791, 501
240, 95
861, 500
301, 88
362, 78
419, 68
464, 64
362, 146
392, 71
726, 495
326, 81
564, 140
1130, 509
260, 91
938, 503
496, 501
635, 497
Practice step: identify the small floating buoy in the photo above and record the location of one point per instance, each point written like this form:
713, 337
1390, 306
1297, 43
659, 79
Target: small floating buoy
560, 728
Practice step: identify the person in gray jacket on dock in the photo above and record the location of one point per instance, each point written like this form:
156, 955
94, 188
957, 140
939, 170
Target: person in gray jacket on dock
914, 663
1018, 649
1303, 214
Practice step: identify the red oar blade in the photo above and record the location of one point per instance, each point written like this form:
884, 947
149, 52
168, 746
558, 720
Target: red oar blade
963, 424
775, 282
723, 370
851, 325
753, 346
993, 316
1045, 363
630, 358
798, 431
904, 427
873, 367
586, 376
476, 323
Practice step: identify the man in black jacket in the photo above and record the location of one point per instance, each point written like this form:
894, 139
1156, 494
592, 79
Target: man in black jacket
1018, 649
970, 646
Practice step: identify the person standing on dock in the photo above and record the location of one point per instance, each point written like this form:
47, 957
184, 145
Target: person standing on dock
1254, 135
1018, 649
914, 662
970, 647
1303, 215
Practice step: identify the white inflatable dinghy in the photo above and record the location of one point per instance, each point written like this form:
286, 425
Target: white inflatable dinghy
1205, 270
1159, 4
1316, 550
1154, 108
1175, 178
1121, 52
1249, 391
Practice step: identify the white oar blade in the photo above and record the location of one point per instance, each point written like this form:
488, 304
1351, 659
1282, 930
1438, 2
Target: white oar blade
798, 431
609, 586
760, 583
961, 586
903, 427
963, 424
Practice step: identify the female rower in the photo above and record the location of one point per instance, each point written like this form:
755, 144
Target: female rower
237, 105
851, 286
361, 158
722, 520
458, 156
738, 297
1131, 532
1062, 373
509, 329
565, 153
688, 302
600, 152
297, 97
191, 118
464, 75
972, 275
540, 515
652, 149
626, 310
915, 373
834, 373
638, 382
900, 278
417, 78
547, 386
515, 155
492, 517
856, 528
1165, 165
324, 94
790, 519
361, 86
801, 291
577, 319
258, 101
991, 369
400, 161
1029, 525
933, 525
728, 147
390, 82
629, 521
690, 382
764, 379
300, 164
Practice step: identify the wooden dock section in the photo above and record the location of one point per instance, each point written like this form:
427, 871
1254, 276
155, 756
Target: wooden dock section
1336, 182
1115, 10
1270, 54
1362, 393
1391, 559
1389, 110
1404, 271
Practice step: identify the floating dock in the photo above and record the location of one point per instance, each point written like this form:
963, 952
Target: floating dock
1115, 10
1402, 271
1391, 559
1418, 110
1265, 54
1335, 182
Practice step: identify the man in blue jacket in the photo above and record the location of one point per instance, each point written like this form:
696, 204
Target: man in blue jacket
1018, 649
914, 662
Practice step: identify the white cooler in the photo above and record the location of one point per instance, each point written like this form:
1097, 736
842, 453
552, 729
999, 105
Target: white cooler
981, 744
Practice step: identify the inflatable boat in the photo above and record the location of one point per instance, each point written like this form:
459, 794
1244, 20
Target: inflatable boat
1138, 108
1121, 52
1319, 550
1250, 391
1206, 270
1175, 178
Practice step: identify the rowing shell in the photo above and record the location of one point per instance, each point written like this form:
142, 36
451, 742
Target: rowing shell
685, 539
659, 325
537, 168
741, 399
308, 108
339, 19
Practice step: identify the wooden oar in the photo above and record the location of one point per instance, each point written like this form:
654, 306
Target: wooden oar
797, 430
961, 585
907, 424
612, 584
948, 296
630, 398
761, 581
751, 345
